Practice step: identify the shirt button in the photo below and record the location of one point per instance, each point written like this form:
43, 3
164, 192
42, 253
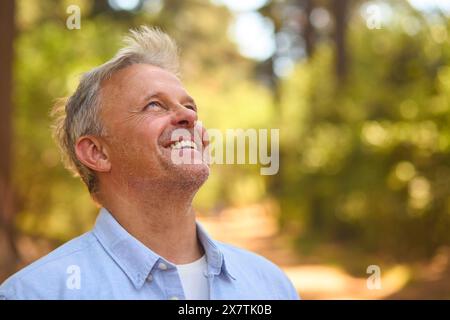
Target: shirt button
150, 277
162, 266
174, 298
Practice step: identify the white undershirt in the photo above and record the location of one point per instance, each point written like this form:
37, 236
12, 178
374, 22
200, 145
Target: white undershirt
195, 283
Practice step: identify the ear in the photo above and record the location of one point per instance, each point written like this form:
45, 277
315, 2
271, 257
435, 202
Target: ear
92, 153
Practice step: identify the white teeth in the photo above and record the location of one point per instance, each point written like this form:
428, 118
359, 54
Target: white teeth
184, 144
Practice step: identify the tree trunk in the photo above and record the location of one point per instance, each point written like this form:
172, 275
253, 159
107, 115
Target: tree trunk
308, 33
8, 252
340, 10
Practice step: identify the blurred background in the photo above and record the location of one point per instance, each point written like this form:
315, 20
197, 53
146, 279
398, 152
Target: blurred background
359, 89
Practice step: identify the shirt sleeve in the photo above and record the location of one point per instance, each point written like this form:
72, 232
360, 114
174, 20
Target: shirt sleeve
6, 294
292, 293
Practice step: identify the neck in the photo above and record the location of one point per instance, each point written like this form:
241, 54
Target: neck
162, 221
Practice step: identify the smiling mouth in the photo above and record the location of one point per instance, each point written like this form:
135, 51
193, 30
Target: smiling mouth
183, 144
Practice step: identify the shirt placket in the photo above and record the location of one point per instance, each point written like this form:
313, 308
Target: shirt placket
172, 284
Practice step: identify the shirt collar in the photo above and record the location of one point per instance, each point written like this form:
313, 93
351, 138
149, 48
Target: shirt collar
214, 257
137, 260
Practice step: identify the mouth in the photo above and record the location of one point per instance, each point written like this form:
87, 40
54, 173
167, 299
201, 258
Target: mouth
184, 150
181, 144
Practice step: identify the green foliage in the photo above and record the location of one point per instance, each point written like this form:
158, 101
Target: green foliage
49, 60
366, 160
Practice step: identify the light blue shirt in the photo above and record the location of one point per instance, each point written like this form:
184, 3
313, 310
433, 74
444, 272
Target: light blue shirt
109, 263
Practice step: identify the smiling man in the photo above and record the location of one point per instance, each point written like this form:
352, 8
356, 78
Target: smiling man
117, 133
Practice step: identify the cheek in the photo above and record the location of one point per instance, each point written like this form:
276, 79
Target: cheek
144, 137
150, 132
137, 143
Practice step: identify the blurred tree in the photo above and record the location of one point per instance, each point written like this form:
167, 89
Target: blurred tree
340, 12
8, 252
301, 24
309, 32
367, 160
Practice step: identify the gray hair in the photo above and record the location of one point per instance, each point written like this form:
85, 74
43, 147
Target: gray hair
79, 115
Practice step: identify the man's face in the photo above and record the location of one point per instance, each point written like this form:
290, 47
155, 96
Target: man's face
142, 106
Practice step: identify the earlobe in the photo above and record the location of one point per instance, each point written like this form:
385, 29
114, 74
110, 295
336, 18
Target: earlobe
91, 152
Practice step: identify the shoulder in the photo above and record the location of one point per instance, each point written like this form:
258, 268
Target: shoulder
255, 260
46, 277
248, 264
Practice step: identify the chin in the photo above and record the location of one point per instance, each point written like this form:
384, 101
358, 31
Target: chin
188, 174
191, 176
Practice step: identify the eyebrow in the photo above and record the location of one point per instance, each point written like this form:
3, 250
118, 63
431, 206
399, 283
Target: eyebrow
163, 95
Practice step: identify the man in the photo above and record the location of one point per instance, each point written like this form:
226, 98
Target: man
117, 132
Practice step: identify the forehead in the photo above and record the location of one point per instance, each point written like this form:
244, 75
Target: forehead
133, 83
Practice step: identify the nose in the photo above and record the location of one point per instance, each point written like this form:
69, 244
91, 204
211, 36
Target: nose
184, 117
